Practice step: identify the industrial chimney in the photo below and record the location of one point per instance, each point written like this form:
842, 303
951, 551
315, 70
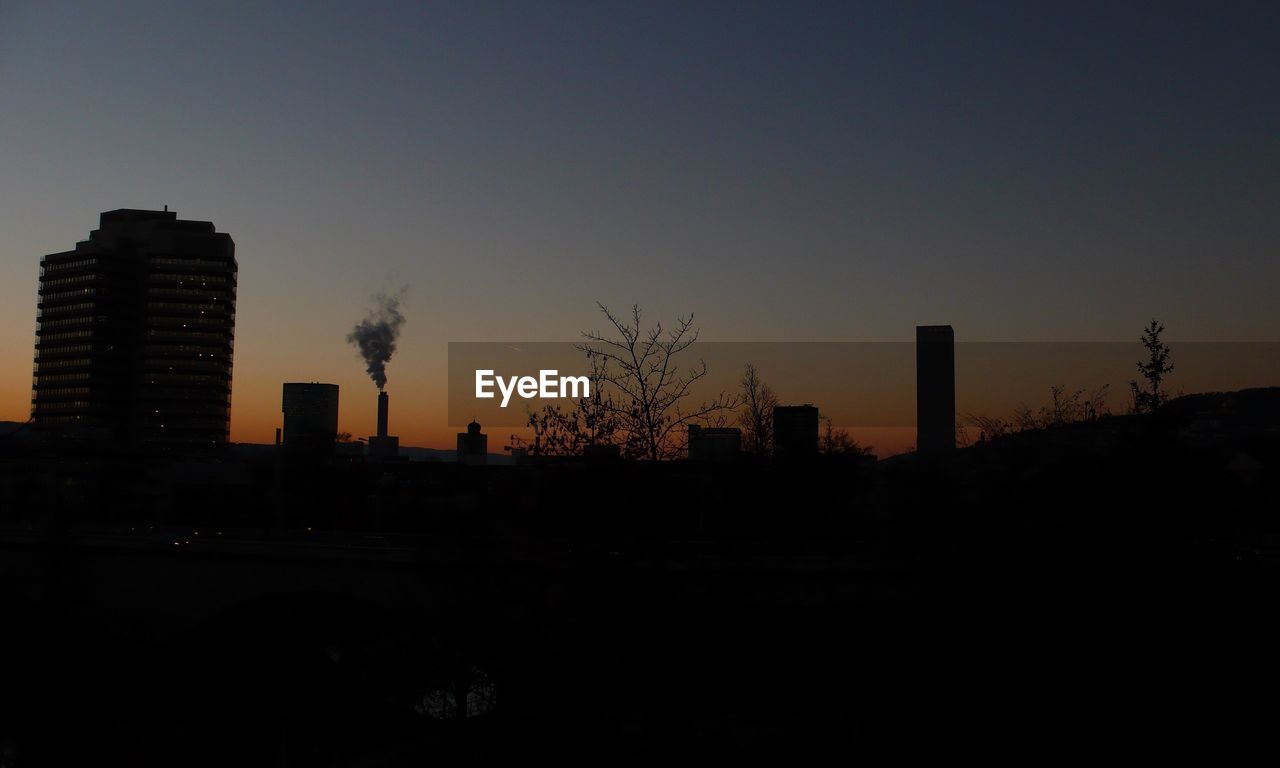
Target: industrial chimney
383, 446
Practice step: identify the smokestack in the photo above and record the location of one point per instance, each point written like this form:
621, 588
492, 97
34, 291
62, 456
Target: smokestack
383, 447
382, 414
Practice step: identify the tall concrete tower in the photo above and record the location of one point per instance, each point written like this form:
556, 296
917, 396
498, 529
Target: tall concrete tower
935, 389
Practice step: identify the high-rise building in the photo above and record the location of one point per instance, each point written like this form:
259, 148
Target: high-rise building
795, 432
935, 389
310, 416
136, 332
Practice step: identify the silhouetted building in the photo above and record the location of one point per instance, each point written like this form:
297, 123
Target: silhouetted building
714, 443
382, 445
136, 331
935, 388
795, 432
473, 445
310, 416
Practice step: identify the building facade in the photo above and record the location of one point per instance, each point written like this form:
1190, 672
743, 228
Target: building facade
136, 330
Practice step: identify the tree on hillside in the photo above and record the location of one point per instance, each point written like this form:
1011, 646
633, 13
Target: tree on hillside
1150, 394
649, 390
1064, 408
756, 414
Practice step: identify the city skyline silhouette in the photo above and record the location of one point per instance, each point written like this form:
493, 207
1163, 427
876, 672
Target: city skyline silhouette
971, 167
864, 392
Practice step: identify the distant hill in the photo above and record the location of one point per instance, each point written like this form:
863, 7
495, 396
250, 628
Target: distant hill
9, 427
1246, 407
437, 454
259, 450
1244, 420
263, 450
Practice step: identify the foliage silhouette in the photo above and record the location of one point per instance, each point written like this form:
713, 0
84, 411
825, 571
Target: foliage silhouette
1150, 395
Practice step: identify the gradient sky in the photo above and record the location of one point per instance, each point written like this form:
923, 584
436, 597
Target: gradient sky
828, 172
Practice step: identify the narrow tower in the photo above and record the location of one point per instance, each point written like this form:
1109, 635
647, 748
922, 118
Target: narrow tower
382, 414
382, 445
935, 389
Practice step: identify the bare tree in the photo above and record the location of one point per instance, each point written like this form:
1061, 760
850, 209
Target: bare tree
756, 415
591, 422
1063, 408
838, 442
649, 386
989, 427
1150, 395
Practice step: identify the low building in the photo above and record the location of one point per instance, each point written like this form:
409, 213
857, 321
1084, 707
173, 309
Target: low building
310, 417
718, 444
795, 432
473, 445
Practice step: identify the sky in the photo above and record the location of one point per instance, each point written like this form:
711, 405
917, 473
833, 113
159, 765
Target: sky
785, 171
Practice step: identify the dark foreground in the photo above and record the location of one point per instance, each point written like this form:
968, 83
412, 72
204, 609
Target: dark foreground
1101, 592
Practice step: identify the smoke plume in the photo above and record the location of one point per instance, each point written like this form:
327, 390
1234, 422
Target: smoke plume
375, 336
